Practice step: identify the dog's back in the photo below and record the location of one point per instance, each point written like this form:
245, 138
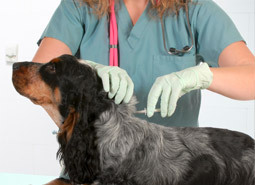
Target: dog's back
145, 153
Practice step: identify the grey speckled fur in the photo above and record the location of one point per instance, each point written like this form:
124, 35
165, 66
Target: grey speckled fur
146, 153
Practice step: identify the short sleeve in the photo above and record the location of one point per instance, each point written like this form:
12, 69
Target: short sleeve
66, 25
214, 31
63, 174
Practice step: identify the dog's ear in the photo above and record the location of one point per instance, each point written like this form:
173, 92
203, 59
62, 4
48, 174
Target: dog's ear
78, 147
67, 127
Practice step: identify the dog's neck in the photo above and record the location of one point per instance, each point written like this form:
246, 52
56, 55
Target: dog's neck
115, 125
117, 113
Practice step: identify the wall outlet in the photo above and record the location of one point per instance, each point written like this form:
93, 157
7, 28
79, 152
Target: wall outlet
11, 52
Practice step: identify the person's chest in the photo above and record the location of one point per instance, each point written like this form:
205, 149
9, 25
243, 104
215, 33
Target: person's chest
135, 8
141, 46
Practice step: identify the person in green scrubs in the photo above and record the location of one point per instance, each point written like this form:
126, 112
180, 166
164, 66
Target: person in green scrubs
76, 30
169, 82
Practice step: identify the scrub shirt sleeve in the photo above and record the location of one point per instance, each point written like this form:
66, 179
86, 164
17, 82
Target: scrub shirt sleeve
63, 174
214, 31
66, 25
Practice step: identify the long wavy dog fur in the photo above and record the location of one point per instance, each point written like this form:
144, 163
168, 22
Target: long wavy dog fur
102, 143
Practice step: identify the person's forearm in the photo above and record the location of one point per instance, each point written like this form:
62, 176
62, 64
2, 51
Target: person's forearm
237, 82
49, 49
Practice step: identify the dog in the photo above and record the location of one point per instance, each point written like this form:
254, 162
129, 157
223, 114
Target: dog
102, 143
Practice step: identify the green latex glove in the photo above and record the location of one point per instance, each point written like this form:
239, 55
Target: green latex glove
172, 86
116, 82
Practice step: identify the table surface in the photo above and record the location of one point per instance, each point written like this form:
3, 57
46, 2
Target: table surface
22, 179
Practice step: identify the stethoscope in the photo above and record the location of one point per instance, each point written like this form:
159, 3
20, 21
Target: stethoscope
185, 49
113, 40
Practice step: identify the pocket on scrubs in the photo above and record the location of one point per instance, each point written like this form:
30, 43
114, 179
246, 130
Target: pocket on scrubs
187, 110
163, 65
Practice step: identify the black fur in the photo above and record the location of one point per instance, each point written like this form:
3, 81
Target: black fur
81, 89
203, 171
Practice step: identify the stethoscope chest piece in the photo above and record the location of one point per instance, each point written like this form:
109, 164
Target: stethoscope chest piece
185, 49
174, 51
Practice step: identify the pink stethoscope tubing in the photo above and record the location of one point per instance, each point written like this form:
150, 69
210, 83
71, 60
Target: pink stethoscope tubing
113, 55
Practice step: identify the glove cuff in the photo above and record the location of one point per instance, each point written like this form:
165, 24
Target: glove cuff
205, 75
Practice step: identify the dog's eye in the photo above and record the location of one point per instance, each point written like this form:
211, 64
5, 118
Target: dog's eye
51, 68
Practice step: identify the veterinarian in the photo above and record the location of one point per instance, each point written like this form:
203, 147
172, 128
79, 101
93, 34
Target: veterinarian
143, 40
81, 29
145, 63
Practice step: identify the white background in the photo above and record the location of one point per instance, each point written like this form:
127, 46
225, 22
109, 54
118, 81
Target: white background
26, 143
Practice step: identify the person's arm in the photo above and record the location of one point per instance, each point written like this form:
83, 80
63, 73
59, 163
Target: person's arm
235, 78
50, 48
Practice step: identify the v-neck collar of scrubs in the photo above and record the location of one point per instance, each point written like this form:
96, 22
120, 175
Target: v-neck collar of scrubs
132, 32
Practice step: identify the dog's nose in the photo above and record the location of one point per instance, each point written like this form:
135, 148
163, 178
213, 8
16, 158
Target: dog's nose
16, 66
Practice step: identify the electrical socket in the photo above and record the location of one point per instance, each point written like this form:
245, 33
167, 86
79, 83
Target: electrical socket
11, 52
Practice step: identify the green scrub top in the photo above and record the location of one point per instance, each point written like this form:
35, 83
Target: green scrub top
141, 47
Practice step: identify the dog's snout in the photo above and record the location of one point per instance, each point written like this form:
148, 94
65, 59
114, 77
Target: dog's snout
18, 65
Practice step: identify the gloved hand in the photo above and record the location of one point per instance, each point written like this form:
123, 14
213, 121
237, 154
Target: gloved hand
172, 86
115, 81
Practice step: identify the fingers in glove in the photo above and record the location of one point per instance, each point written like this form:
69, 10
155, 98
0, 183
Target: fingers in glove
121, 92
130, 90
165, 101
175, 94
114, 84
106, 82
153, 97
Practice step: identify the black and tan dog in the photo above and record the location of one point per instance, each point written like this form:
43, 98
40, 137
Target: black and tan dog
102, 143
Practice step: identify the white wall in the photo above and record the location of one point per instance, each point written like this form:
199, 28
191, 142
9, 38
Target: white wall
27, 145
222, 112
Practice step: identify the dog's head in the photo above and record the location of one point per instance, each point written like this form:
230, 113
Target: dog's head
59, 86
66, 88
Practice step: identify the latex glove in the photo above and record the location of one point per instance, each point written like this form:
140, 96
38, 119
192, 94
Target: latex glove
171, 87
116, 82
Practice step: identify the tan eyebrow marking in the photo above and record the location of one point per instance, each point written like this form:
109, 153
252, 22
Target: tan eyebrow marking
56, 60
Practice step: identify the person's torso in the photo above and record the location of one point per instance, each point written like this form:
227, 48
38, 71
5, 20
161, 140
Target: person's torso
142, 55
